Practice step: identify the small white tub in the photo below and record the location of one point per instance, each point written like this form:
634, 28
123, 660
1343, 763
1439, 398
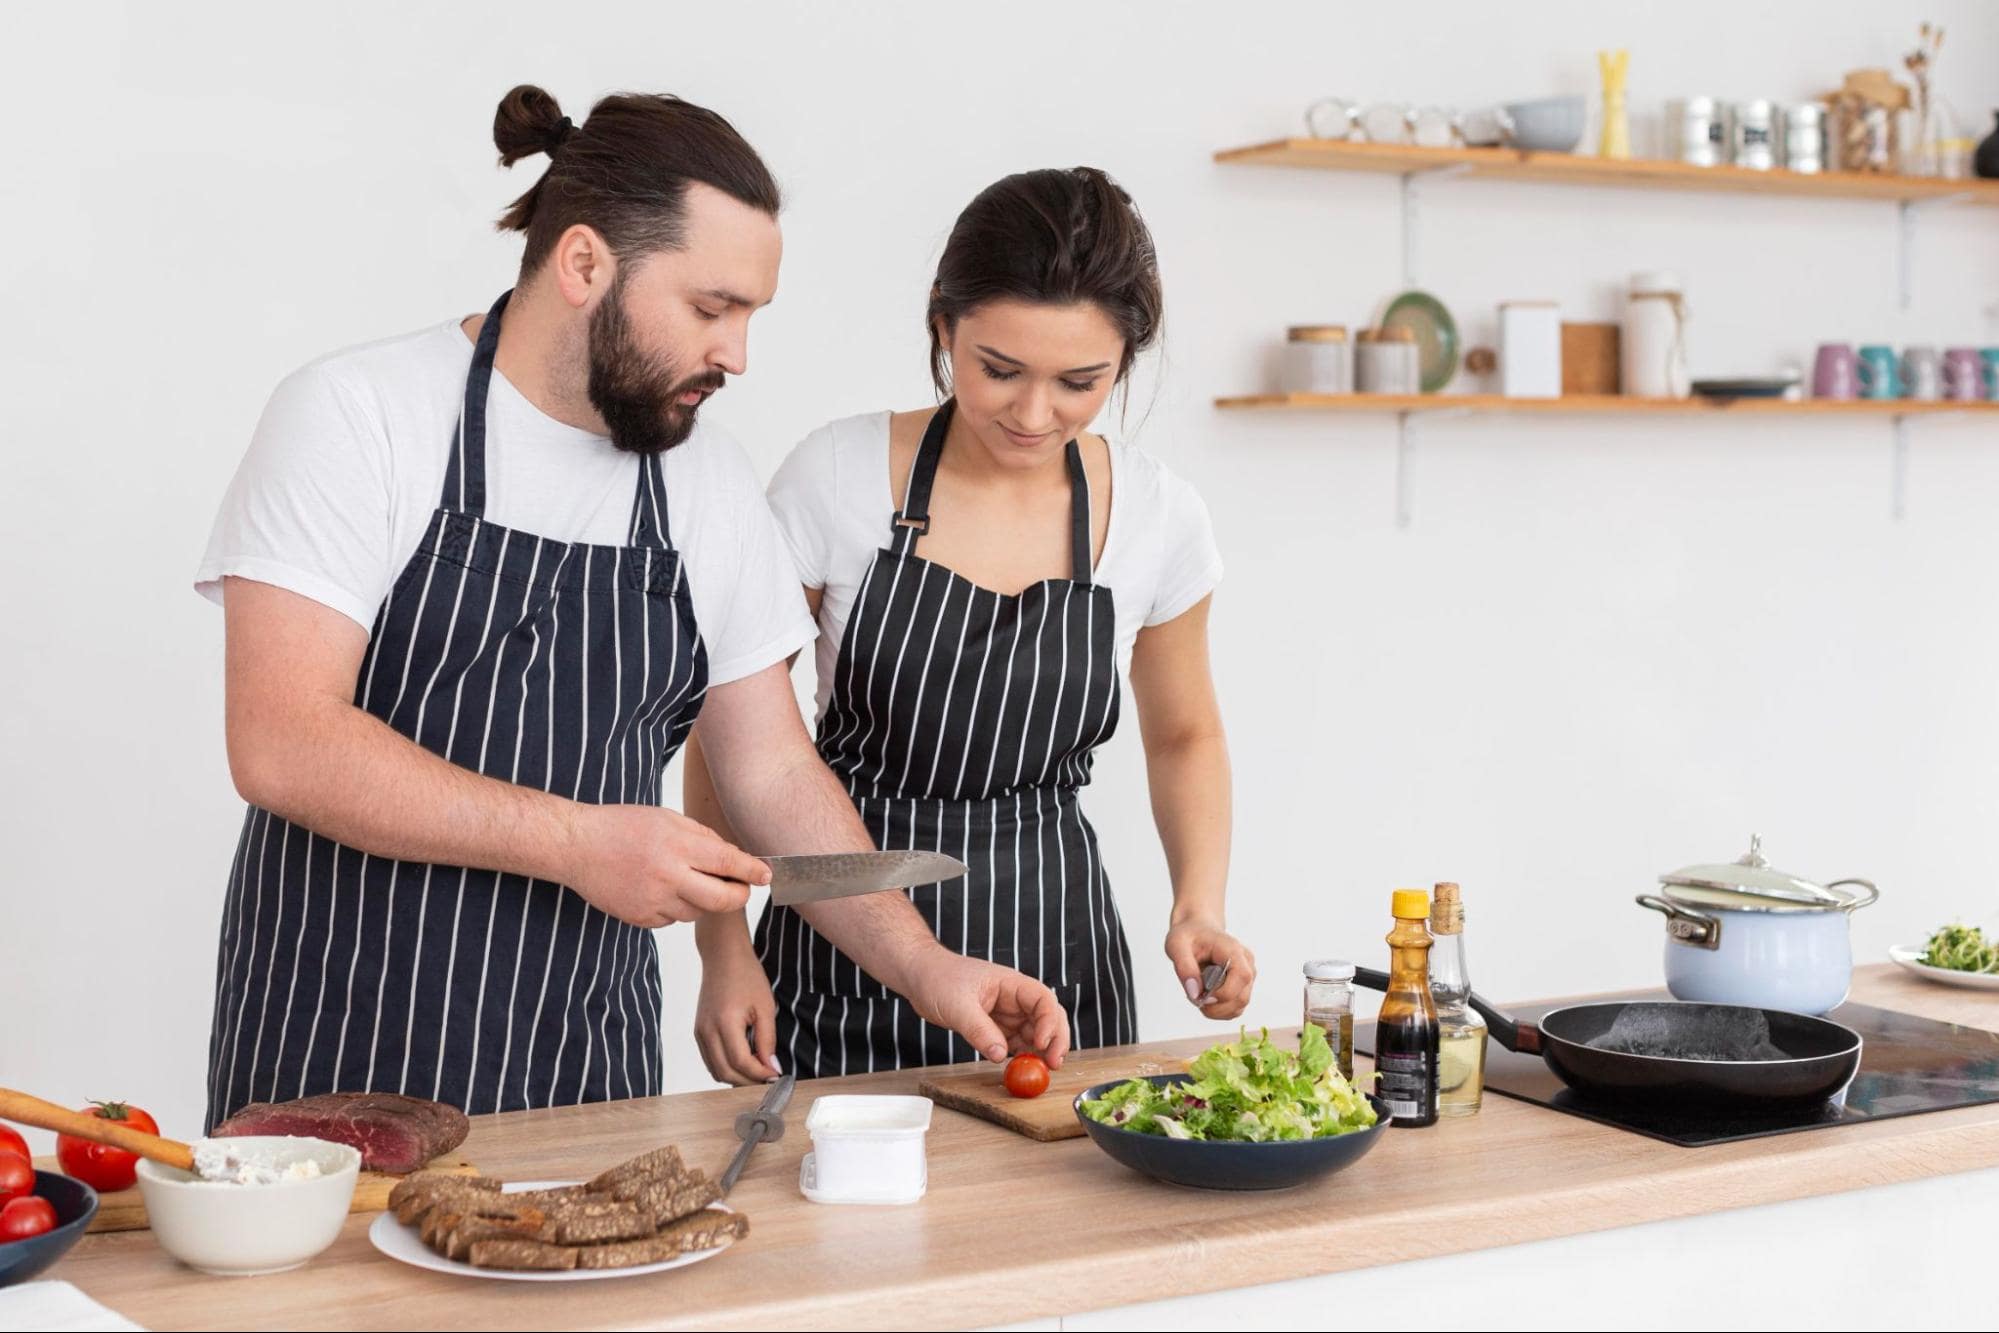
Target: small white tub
866, 1149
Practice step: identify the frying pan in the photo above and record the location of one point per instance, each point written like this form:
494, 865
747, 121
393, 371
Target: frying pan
1725, 1056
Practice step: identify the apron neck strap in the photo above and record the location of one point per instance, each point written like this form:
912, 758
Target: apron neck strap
649, 519
465, 477
913, 519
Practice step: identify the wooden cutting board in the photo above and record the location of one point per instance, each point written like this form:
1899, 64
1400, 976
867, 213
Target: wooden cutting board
977, 1090
125, 1210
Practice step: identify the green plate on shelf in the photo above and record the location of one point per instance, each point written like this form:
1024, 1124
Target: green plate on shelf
1436, 336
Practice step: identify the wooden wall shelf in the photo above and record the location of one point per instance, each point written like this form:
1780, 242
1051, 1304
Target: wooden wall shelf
1571, 169
1605, 405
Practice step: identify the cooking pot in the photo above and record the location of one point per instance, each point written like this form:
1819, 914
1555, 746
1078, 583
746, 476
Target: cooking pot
1746, 933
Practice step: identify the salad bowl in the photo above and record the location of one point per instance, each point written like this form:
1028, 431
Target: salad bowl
1247, 1115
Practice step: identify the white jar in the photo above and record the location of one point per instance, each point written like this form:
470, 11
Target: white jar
1530, 349
1655, 342
1318, 359
1385, 362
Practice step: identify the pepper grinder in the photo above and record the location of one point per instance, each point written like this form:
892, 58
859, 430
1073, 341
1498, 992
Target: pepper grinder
1616, 123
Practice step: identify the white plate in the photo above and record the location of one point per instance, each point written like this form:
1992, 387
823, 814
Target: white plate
1912, 959
399, 1240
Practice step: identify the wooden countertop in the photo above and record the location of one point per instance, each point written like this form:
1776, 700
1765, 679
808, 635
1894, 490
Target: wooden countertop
1013, 1229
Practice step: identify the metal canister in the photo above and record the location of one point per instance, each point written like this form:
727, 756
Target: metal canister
1804, 137
1696, 131
1756, 135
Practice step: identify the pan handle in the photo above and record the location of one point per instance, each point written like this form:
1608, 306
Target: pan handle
1505, 1029
1683, 924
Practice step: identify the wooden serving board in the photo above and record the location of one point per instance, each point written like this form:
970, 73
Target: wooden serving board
125, 1210
978, 1090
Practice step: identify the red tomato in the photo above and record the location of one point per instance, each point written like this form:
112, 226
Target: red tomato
11, 1141
22, 1218
99, 1165
17, 1177
1026, 1076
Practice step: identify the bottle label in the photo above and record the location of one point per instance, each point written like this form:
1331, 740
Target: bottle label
1408, 1084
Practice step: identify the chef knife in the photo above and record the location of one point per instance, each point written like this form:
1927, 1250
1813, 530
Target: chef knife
763, 1125
811, 879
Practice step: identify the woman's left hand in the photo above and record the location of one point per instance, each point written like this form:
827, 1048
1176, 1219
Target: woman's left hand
1194, 945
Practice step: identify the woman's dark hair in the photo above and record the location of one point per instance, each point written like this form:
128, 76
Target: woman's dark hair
624, 171
1053, 237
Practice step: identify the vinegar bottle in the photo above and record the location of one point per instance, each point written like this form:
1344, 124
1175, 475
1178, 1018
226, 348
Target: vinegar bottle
1405, 1050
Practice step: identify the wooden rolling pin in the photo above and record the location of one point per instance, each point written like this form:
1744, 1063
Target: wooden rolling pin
26, 1110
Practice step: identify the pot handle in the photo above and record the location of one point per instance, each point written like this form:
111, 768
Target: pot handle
1505, 1029
1867, 884
1683, 924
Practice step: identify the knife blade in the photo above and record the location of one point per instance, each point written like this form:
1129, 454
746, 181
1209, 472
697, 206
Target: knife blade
811, 879
763, 1125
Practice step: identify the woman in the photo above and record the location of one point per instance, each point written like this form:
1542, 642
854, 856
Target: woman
969, 667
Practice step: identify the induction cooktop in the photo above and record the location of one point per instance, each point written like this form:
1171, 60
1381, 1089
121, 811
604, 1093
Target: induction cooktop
1908, 1065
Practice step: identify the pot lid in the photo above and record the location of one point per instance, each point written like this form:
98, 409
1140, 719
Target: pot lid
1751, 882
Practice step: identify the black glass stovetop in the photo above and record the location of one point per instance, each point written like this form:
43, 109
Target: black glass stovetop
1908, 1065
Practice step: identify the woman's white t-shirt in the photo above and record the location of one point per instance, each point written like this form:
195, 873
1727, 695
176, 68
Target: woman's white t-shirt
834, 504
348, 461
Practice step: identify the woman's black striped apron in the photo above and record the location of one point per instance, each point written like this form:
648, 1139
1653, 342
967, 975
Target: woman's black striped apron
962, 721
559, 666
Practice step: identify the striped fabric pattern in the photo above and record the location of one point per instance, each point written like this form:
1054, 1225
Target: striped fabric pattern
963, 720
565, 667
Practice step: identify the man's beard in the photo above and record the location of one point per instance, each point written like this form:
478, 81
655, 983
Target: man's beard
634, 394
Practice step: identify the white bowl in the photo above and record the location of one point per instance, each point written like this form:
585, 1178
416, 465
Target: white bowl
243, 1230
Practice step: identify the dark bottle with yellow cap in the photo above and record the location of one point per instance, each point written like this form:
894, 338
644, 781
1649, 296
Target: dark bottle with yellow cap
1405, 1041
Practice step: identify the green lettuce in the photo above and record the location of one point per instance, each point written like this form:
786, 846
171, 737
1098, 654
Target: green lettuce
1247, 1090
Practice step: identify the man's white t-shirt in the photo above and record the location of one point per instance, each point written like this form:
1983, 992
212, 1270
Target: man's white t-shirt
348, 461
834, 502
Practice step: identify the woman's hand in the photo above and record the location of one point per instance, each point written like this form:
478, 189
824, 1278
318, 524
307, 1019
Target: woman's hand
735, 1020
1199, 943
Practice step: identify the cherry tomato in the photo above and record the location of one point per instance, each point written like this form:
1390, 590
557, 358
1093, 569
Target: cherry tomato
1026, 1076
17, 1178
22, 1218
11, 1141
99, 1165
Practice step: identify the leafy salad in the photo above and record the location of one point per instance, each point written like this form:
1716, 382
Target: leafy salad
1248, 1090
1962, 949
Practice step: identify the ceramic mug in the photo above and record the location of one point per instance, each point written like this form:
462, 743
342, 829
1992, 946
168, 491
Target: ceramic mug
1990, 356
1879, 377
1963, 375
1835, 372
1922, 374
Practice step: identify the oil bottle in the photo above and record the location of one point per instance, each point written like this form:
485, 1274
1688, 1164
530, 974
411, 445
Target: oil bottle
1460, 1031
1405, 1050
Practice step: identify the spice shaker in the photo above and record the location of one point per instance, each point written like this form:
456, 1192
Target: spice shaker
1329, 1005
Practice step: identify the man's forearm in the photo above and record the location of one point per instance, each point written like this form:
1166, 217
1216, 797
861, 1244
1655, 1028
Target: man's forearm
799, 806
348, 776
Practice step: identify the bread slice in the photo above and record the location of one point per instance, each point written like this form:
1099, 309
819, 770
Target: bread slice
660, 1162
424, 1184
701, 1231
598, 1220
668, 1201
530, 1254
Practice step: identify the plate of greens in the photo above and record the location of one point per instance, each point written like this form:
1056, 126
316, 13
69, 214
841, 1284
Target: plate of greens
1956, 955
1247, 1115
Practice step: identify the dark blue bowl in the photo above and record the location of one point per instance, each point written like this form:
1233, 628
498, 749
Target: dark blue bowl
75, 1204
1211, 1165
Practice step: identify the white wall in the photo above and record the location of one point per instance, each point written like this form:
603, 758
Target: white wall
1604, 649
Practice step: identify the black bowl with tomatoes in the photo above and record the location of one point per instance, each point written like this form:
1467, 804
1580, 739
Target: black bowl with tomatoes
71, 1203
1223, 1164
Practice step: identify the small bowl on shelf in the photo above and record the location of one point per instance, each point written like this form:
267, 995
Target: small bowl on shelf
1216, 1164
1547, 124
75, 1204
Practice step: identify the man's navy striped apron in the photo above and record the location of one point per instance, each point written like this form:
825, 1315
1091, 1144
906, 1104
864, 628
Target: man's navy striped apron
559, 666
962, 720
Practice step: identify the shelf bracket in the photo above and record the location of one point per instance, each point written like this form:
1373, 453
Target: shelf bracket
1905, 241
1411, 209
1899, 468
1405, 458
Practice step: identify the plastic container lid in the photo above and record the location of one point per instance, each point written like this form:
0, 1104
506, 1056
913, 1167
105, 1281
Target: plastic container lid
1329, 969
1410, 904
